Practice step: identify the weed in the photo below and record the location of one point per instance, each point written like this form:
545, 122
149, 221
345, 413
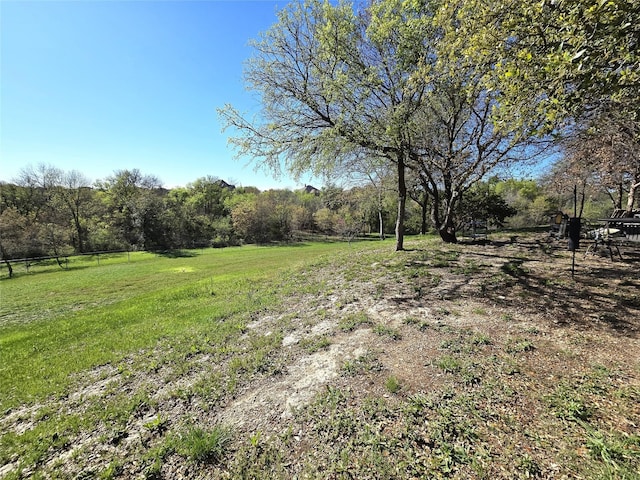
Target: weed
417, 272
443, 259
507, 317
508, 366
379, 291
363, 364
453, 345
471, 374
418, 403
201, 445
385, 331
112, 471
421, 325
448, 364
528, 466
157, 425
469, 267
331, 398
514, 268
569, 404
354, 320
259, 458
392, 384
480, 339
519, 345
315, 344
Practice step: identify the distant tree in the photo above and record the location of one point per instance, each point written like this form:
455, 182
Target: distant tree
75, 193
325, 219
604, 154
45, 210
418, 190
39, 185
130, 198
482, 203
14, 238
534, 201
265, 217
376, 174
207, 195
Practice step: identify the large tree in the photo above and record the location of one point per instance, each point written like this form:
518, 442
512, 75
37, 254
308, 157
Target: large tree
387, 82
333, 81
460, 145
603, 154
135, 206
75, 193
460, 136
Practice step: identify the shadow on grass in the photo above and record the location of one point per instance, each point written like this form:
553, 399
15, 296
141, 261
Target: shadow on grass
594, 298
176, 253
532, 278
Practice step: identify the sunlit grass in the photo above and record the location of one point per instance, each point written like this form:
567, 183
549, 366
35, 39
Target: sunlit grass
58, 323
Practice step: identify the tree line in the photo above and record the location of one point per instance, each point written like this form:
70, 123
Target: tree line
49, 212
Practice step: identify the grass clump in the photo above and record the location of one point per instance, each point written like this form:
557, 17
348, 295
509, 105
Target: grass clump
416, 322
200, 445
386, 331
392, 384
366, 363
315, 344
519, 345
353, 321
449, 364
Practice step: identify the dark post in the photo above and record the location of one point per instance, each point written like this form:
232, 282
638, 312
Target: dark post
574, 233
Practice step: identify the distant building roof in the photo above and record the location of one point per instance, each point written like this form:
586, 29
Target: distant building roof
224, 184
311, 189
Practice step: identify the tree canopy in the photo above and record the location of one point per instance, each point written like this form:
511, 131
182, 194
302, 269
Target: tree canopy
337, 83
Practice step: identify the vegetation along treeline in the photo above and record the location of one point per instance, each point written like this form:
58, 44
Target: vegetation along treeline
48, 212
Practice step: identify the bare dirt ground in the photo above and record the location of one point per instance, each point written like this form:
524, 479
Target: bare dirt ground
475, 360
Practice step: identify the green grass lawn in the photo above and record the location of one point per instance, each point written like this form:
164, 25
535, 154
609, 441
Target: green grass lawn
57, 323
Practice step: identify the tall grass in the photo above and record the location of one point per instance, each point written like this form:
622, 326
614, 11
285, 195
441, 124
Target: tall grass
58, 323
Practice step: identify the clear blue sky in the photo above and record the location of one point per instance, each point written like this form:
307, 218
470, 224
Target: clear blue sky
100, 86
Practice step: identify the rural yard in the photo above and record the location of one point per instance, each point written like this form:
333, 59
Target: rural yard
195, 278
474, 360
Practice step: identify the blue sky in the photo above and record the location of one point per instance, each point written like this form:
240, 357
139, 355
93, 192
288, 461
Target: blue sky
100, 86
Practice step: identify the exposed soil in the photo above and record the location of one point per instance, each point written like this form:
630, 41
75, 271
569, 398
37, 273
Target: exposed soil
509, 312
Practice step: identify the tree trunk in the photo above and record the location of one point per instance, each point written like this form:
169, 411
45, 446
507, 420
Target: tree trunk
79, 232
447, 237
424, 207
618, 202
5, 259
631, 198
402, 200
381, 223
448, 234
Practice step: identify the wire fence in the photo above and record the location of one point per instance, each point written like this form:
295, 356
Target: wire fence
16, 266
